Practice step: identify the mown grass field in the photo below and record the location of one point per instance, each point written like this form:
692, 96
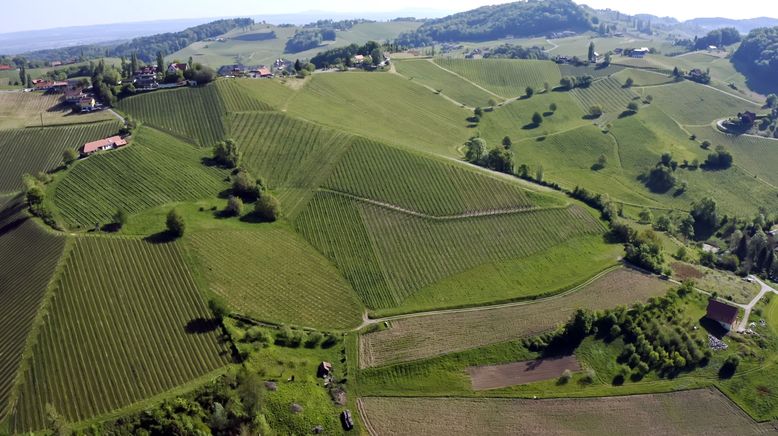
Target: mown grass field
29, 109
285, 151
426, 72
29, 256
387, 255
432, 335
505, 77
384, 107
608, 93
153, 170
126, 322
28, 151
429, 186
273, 275
704, 411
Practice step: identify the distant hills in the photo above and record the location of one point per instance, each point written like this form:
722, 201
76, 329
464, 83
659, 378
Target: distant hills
743, 26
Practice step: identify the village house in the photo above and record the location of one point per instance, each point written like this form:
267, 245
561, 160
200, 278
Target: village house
103, 144
147, 69
86, 104
358, 59
45, 85
324, 370
640, 53
722, 313
56, 63
74, 93
7, 67
174, 68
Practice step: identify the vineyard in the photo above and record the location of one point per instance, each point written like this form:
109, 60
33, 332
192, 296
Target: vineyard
403, 253
195, 114
643, 77
28, 256
126, 322
298, 285
609, 94
153, 170
504, 77
32, 150
429, 74
235, 99
433, 335
419, 183
595, 71
286, 151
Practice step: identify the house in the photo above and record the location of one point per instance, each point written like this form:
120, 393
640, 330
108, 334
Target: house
7, 67
722, 313
176, 67
264, 72
103, 144
146, 81
712, 48
45, 85
74, 93
56, 63
86, 104
359, 59
325, 369
640, 53
148, 69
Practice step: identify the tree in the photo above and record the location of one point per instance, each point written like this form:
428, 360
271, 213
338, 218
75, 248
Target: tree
591, 56
663, 224
500, 159
244, 185
646, 217
705, 215
267, 207
218, 307
475, 148
478, 112
772, 101
120, 217
69, 156
552, 107
175, 223
234, 206
686, 226
539, 174
530, 91
633, 107
226, 153
23, 73
507, 143
537, 119
660, 179
602, 161
629, 82
160, 62
720, 160
29, 82
607, 61
595, 111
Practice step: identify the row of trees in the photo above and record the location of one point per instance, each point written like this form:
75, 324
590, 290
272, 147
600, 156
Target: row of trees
513, 51
345, 55
308, 39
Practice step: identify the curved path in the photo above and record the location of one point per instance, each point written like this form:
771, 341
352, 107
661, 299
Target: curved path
750, 306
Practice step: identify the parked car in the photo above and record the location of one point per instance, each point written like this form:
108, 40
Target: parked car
346, 420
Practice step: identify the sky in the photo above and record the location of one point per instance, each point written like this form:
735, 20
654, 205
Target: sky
18, 15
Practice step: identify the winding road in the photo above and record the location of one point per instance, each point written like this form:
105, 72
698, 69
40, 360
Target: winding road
750, 306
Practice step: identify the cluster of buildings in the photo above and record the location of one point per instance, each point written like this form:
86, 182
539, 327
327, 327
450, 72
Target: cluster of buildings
564, 34
477, 53
254, 72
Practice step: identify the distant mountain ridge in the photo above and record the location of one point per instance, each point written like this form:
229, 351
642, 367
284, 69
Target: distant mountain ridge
743, 26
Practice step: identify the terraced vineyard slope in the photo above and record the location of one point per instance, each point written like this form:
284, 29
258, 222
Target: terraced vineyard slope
153, 170
277, 277
426, 73
126, 322
40, 149
29, 256
609, 94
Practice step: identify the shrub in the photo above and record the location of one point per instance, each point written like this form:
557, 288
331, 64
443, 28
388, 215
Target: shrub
218, 307
234, 206
267, 208
537, 119
175, 223
226, 153
565, 377
313, 340
729, 367
69, 156
595, 111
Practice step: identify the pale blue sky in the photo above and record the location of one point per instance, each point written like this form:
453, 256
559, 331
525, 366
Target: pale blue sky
43, 14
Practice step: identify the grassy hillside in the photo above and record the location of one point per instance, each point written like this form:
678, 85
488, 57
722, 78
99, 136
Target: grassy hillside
125, 323
40, 149
388, 255
277, 277
29, 109
153, 170
29, 256
504, 77
383, 107
427, 73
690, 103
607, 93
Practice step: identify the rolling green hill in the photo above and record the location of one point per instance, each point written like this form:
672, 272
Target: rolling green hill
427, 73
505, 78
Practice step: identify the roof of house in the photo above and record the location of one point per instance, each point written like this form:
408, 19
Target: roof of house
721, 312
6, 67
359, 57
179, 66
116, 141
86, 100
73, 92
264, 72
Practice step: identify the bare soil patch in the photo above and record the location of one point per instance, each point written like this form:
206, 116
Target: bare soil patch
519, 373
684, 271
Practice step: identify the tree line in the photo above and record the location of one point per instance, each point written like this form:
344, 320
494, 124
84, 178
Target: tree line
758, 53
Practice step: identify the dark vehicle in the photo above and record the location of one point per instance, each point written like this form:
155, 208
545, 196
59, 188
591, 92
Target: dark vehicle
345, 418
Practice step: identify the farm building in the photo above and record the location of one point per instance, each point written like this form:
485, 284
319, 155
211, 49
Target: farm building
264, 72
640, 52
722, 313
174, 68
103, 144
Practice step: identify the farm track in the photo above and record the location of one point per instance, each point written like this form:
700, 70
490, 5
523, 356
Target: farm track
468, 80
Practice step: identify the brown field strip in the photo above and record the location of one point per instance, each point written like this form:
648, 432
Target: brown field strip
433, 335
704, 411
519, 373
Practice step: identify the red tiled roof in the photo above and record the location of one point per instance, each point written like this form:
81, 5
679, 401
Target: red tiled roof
116, 141
6, 67
264, 72
721, 312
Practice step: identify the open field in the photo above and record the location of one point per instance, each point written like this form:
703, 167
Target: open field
643, 77
430, 186
432, 335
689, 412
694, 104
154, 169
401, 253
589, 70
383, 107
29, 256
511, 374
727, 285
28, 109
277, 277
285, 151
195, 114
28, 151
427, 73
126, 322
505, 77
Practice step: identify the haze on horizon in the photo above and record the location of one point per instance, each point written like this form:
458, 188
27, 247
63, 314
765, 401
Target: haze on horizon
19, 16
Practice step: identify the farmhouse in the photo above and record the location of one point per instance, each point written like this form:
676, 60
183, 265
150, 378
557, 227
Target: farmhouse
359, 58
176, 67
722, 313
264, 72
103, 144
86, 104
640, 53
74, 93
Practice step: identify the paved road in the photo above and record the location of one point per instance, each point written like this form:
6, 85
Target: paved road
765, 289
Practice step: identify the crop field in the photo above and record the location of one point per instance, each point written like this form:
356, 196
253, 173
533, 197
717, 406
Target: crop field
704, 411
504, 77
28, 151
427, 73
422, 184
408, 252
427, 336
29, 256
28, 109
126, 322
693, 104
488, 377
286, 151
608, 93
277, 277
153, 170
383, 107
195, 114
